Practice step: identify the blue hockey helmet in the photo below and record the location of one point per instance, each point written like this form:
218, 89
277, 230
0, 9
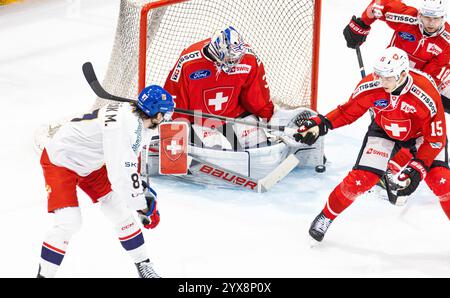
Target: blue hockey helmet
155, 99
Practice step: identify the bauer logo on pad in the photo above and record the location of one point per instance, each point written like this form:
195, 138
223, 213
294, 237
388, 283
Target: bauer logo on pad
173, 148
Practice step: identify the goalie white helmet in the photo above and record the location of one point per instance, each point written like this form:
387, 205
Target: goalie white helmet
433, 8
227, 46
392, 63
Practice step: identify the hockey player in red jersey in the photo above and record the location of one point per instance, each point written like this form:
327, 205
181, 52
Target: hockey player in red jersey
408, 113
220, 75
423, 34
99, 153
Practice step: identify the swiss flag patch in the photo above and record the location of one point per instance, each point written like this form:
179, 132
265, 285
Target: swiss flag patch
216, 100
173, 138
396, 129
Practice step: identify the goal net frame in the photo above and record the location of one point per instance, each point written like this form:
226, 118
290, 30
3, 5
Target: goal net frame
143, 56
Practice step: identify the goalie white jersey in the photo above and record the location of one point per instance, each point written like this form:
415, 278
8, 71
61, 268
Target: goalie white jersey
111, 136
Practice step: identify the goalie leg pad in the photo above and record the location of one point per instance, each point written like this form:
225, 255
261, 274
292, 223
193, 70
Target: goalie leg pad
356, 183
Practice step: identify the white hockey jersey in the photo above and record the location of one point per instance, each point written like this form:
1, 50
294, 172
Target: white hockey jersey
111, 136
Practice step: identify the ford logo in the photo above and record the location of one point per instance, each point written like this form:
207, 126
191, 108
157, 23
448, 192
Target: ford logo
200, 74
407, 36
381, 103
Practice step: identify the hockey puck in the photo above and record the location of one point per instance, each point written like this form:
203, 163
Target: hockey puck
320, 168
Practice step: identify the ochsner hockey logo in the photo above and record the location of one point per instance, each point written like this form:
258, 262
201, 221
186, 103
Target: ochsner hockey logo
185, 58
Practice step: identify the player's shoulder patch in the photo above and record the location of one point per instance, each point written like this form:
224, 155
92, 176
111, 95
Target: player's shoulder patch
426, 75
183, 59
425, 98
366, 86
249, 50
401, 18
446, 36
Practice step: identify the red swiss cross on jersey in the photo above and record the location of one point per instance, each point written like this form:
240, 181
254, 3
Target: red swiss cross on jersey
216, 100
416, 112
197, 84
396, 129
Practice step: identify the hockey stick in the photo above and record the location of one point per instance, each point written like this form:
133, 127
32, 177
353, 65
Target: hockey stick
91, 78
363, 73
360, 62
392, 197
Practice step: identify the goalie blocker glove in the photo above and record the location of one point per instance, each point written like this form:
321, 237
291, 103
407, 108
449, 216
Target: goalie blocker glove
151, 218
356, 32
311, 129
414, 172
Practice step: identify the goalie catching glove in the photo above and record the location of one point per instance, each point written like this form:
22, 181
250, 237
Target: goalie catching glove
311, 129
411, 176
149, 217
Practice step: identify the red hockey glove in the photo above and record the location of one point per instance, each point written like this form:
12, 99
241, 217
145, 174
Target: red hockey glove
414, 172
149, 217
309, 130
356, 32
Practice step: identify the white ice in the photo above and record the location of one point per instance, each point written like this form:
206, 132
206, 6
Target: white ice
204, 232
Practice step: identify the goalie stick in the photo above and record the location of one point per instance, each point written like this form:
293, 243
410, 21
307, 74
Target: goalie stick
91, 78
195, 164
200, 167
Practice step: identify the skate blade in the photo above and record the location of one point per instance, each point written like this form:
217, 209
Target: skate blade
401, 201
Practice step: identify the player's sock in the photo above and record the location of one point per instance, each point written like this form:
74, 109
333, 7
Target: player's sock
354, 184
132, 240
51, 258
438, 179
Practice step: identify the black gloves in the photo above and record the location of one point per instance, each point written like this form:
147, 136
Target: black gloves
309, 130
356, 32
414, 172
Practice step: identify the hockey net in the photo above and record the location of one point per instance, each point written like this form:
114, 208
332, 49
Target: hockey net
284, 34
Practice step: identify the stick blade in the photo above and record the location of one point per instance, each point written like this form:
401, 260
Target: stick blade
89, 73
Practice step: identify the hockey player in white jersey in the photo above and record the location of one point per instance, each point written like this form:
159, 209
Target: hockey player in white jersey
99, 153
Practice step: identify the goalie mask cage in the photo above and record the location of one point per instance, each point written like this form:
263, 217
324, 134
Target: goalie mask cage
284, 34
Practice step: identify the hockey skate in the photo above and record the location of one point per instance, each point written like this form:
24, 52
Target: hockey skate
319, 227
145, 269
39, 273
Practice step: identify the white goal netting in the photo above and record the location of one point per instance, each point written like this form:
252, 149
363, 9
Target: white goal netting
283, 34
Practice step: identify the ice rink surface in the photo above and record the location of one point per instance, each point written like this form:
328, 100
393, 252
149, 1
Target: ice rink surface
204, 232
